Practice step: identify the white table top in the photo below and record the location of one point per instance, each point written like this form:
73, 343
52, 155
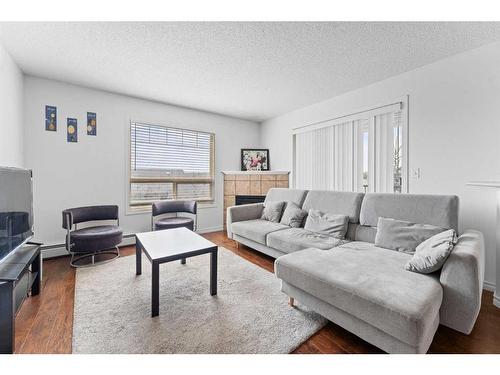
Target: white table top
171, 242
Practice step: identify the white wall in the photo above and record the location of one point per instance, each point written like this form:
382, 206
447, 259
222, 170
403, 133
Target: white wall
454, 131
11, 105
93, 171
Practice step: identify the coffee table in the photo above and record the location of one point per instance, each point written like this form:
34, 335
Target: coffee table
168, 245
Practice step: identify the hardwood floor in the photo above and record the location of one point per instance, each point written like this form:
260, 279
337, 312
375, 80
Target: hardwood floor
45, 322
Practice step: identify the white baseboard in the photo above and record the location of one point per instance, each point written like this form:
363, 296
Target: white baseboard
53, 252
210, 229
58, 250
490, 287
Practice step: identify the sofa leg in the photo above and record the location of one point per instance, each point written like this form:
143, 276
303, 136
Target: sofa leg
237, 244
291, 300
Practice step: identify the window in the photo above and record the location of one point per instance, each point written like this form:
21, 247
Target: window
365, 151
169, 163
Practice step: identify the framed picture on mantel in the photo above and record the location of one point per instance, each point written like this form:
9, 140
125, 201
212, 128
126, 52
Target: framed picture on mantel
254, 159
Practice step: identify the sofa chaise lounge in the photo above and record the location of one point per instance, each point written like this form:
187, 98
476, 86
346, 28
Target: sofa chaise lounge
362, 287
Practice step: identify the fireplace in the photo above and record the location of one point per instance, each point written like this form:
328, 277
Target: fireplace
242, 187
247, 199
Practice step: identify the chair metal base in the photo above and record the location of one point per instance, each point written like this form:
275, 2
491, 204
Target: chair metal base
75, 258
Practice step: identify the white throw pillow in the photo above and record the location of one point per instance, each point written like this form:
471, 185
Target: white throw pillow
293, 215
431, 254
272, 211
326, 223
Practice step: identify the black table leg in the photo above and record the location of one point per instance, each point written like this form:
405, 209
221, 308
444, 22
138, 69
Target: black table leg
155, 288
213, 272
138, 257
36, 266
183, 261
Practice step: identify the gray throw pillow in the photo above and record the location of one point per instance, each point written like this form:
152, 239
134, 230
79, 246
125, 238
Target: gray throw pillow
431, 254
326, 223
272, 211
293, 215
402, 235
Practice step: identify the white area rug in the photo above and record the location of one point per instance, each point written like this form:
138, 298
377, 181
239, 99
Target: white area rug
249, 314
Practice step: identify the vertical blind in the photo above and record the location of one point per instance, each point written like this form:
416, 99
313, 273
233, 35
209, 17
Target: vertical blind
324, 158
360, 152
170, 163
388, 146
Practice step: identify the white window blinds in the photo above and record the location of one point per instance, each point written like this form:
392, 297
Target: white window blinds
365, 151
170, 151
170, 163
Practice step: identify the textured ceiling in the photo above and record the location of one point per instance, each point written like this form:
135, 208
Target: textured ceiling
249, 70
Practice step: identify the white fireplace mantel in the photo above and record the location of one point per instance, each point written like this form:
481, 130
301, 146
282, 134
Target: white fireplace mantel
495, 185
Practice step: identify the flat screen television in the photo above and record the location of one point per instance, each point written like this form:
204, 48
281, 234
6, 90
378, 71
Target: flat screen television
16, 209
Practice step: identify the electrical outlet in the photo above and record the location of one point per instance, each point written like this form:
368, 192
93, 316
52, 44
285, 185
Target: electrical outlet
415, 173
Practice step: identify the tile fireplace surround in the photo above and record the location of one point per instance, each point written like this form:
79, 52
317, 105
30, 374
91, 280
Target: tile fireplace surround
250, 183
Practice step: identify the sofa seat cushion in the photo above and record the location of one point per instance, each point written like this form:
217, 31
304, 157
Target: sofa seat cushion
295, 239
256, 230
369, 283
174, 222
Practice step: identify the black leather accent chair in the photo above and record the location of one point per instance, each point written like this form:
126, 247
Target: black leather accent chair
174, 207
88, 242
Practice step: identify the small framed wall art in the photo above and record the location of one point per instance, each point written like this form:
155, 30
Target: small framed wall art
91, 123
254, 159
50, 118
72, 130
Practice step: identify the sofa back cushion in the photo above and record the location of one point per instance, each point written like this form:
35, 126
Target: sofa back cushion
286, 195
335, 202
364, 233
402, 235
437, 210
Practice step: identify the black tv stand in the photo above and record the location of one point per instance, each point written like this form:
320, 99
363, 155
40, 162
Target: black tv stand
20, 274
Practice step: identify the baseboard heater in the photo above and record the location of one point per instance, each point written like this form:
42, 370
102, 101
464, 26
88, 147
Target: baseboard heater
57, 250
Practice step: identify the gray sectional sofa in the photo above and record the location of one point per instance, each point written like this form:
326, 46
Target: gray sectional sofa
362, 287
